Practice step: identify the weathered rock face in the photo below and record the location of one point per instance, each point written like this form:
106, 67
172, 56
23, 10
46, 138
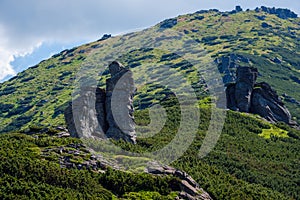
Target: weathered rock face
96, 113
230, 97
85, 116
266, 103
258, 98
246, 78
119, 103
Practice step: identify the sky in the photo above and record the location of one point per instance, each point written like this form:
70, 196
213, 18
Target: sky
32, 30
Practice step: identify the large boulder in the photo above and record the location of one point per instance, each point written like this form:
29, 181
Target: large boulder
189, 188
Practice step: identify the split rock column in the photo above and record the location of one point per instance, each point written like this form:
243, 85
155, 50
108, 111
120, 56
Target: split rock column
119, 103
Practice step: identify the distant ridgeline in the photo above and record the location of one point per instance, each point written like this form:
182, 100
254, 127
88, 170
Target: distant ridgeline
282, 13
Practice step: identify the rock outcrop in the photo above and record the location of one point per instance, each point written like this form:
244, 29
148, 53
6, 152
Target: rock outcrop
266, 103
105, 114
190, 189
280, 12
85, 115
119, 103
246, 78
258, 98
168, 23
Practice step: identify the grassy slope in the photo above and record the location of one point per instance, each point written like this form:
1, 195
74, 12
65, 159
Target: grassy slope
39, 94
244, 165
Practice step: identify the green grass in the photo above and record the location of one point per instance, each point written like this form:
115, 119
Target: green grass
274, 132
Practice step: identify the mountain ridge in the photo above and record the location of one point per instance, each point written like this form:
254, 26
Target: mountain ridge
75, 56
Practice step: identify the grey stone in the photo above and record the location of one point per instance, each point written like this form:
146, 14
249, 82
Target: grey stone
266, 103
258, 98
246, 78
119, 103
85, 116
189, 187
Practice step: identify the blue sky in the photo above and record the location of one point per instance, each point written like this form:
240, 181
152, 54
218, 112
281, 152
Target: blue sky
33, 30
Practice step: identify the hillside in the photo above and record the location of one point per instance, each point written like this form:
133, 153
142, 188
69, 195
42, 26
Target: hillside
40, 94
193, 55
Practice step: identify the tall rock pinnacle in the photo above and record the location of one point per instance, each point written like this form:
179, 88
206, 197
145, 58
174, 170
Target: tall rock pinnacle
119, 103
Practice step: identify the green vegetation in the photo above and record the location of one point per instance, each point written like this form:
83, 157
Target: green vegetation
25, 174
243, 165
274, 132
252, 159
213, 33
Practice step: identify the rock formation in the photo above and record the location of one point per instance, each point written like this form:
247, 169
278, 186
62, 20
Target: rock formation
168, 23
279, 12
246, 78
190, 189
101, 114
85, 115
266, 103
258, 98
119, 103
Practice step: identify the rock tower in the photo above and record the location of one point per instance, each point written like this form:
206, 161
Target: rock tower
105, 114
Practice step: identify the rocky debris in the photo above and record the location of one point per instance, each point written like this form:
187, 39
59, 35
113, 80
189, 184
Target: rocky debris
97, 113
77, 156
279, 12
199, 17
168, 23
63, 134
119, 103
263, 17
85, 116
190, 189
59, 131
258, 98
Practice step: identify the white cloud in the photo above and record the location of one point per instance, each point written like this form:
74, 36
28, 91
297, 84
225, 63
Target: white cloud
8, 52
